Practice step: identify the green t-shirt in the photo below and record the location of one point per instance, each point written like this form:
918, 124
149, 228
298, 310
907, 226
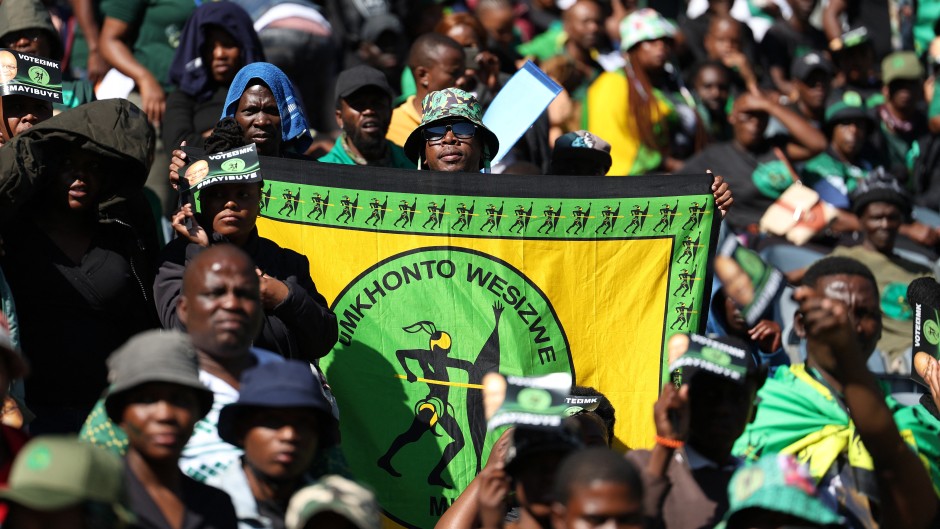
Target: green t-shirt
339, 155
158, 24
75, 93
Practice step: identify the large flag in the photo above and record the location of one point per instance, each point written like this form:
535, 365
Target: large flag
437, 279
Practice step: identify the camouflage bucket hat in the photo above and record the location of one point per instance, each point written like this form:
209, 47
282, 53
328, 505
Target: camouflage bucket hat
642, 25
450, 104
338, 495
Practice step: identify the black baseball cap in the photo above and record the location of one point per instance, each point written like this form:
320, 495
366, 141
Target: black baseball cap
804, 65
359, 77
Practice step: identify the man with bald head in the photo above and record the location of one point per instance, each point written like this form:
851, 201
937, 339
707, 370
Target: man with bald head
437, 62
220, 307
576, 38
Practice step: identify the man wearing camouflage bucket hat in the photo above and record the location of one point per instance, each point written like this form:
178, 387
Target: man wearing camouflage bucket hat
451, 136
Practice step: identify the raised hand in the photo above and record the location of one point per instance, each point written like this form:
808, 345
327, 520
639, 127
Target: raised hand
195, 234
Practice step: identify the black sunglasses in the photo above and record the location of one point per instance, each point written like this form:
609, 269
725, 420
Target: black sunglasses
462, 130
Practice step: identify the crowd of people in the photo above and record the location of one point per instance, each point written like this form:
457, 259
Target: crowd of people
159, 360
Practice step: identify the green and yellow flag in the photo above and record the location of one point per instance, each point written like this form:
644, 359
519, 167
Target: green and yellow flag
437, 279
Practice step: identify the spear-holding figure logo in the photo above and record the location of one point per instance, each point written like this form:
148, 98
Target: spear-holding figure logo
435, 409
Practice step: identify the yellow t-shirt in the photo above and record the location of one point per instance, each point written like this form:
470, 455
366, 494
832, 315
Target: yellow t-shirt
608, 111
405, 119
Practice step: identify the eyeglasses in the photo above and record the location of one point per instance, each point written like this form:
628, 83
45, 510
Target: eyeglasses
462, 130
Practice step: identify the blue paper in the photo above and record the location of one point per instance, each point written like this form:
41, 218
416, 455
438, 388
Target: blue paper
520, 102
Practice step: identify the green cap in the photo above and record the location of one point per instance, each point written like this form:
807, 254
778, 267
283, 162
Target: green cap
776, 483
642, 25
450, 104
334, 494
848, 107
901, 65
55, 472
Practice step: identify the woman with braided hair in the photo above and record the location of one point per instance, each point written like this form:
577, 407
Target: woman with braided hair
298, 322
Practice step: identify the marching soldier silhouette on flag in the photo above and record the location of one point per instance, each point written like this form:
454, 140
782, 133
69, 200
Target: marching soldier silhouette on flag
696, 213
523, 216
610, 218
349, 209
463, 215
378, 211
689, 249
320, 205
580, 219
437, 214
289, 203
668, 215
407, 213
493, 217
638, 218
684, 312
551, 218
